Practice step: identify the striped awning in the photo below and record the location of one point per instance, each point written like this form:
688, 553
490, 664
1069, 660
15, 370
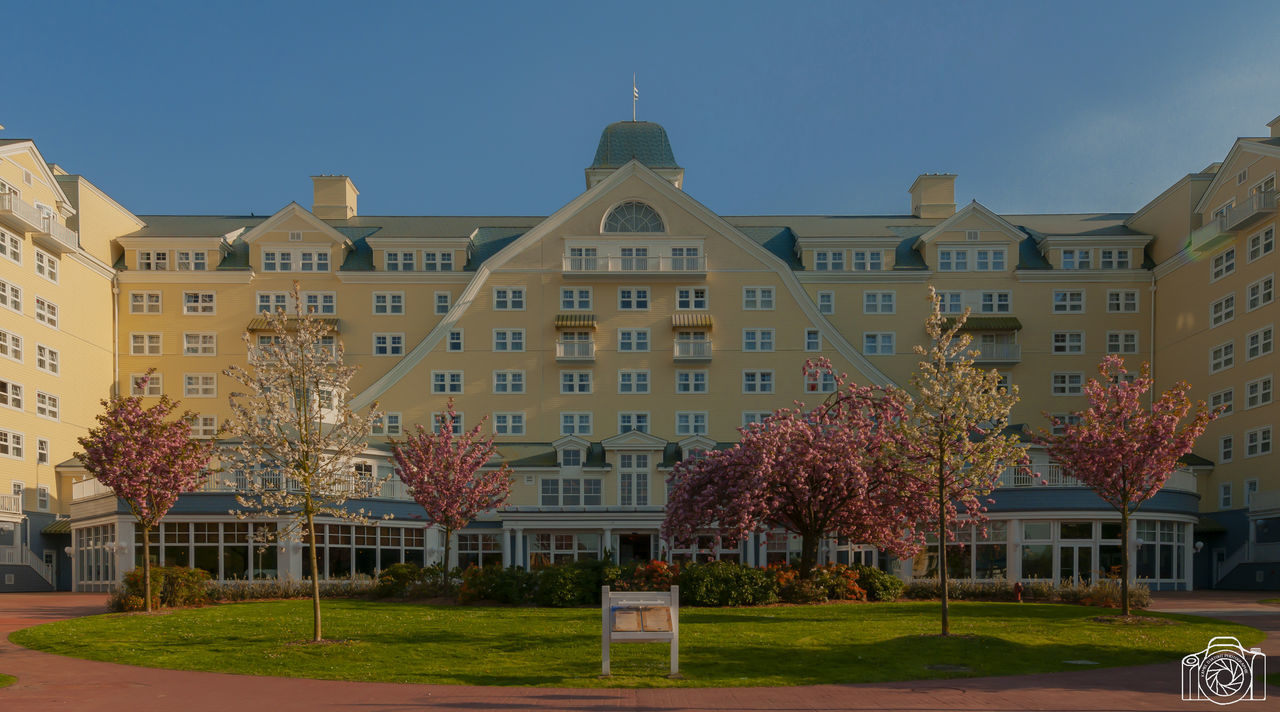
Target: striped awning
988, 323
58, 526
263, 324
691, 319
575, 321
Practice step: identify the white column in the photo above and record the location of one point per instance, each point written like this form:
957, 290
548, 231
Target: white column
1014, 556
1188, 555
519, 556
608, 544
506, 547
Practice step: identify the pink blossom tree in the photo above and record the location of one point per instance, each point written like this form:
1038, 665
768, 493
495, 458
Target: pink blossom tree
147, 459
440, 469
954, 434
829, 471
1124, 450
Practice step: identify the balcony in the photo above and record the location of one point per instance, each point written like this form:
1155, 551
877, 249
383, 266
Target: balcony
89, 489
602, 265
575, 351
10, 504
1250, 210
20, 215
693, 350
1052, 475
55, 236
1209, 235
997, 353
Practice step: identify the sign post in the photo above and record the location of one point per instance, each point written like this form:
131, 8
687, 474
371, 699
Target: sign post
640, 617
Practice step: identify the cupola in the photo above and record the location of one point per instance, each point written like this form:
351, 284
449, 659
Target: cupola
643, 141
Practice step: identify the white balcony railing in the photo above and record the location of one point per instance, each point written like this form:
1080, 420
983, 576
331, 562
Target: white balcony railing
997, 353
87, 489
20, 214
575, 350
693, 349
1053, 475
632, 265
1250, 209
21, 555
10, 504
64, 235
1209, 234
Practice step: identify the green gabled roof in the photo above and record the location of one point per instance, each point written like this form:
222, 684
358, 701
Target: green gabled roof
987, 323
237, 258
360, 258
486, 242
1195, 460
778, 240
643, 141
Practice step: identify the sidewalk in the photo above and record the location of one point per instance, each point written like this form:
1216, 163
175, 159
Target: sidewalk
49, 682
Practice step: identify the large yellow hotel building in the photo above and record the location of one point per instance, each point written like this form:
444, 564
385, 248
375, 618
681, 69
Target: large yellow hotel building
622, 332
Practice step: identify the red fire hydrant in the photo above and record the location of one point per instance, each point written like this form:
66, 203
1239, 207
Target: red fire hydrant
1017, 591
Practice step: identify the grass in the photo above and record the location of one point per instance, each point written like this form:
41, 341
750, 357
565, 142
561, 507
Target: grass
1265, 600
719, 647
7, 680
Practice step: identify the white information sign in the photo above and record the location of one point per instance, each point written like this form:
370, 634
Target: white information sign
640, 617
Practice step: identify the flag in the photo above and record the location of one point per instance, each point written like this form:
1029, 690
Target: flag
635, 93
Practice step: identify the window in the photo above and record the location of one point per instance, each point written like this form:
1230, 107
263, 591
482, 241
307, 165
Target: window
826, 303
571, 457
388, 344
508, 381
46, 359
990, 260
995, 303
634, 298
10, 346
323, 303
508, 423
1224, 495
204, 426
198, 302
633, 340
1226, 448
42, 452
386, 424
11, 445
1114, 259
754, 416
398, 261
10, 296
46, 265
314, 261
633, 480
1068, 384
46, 312
951, 302
1223, 263
757, 381
1225, 400
877, 343
153, 386
757, 339
388, 302
1068, 342
1250, 489
824, 382
1122, 301
953, 260
1222, 357
144, 344
1061, 421
972, 235
455, 340
575, 381
1257, 392
508, 339
1262, 292
199, 385
46, 405
1068, 301
295, 236
831, 261
143, 302
691, 381
1264, 243
1260, 343
1222, 311
446, 381
10, 395
151, 261
508, 298
691, 423
575, 299
1076, 259
1257, 442
437, 261
633, 216
42, 498
569, 492
812, 340
635, 259
10, 245
686, 258
691, 298
197, 261
633, 381
575, 423
439, 420
442, 302
877, 302
757, 298
199, 344
628, 421
1122, 342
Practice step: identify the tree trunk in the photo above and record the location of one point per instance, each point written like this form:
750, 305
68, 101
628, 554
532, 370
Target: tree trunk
146, 567
808, 554
942, 551
315, 576
1124, 561
444, 563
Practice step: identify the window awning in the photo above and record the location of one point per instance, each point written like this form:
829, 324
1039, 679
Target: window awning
987, 323
263, 324
691, 319
575, 321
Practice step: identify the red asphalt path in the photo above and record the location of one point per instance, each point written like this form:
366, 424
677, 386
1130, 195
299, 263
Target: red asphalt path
51, 682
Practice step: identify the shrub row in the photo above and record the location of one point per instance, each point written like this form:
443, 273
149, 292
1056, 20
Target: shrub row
1105, 592
178, 586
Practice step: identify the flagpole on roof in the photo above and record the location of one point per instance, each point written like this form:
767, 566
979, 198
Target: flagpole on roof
635, 95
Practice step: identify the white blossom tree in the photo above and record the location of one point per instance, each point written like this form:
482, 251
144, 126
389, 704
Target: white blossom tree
291, 438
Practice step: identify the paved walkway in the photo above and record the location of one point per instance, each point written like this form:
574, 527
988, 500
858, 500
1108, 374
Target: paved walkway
49, 682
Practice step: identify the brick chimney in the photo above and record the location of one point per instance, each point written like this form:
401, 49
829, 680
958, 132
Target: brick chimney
334, 197
933, 195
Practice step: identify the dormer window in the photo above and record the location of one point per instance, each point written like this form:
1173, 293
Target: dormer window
571, 457
153, 261
633, 216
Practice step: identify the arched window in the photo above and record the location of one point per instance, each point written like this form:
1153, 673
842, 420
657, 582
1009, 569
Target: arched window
633, 216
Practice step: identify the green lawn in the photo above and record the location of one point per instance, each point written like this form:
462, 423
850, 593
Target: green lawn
722, 647
7, 680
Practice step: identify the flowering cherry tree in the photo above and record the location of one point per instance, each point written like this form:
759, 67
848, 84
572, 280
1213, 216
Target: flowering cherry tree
440, 469
829, 471
293, 441
954, 432
1124, 450
147, 459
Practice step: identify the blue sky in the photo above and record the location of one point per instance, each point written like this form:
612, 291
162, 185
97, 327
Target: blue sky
496, 108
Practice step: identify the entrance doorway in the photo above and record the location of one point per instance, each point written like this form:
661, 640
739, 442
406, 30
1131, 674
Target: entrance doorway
1075, 563
634, 547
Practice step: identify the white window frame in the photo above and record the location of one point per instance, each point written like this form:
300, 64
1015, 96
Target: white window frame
1072, 385
688, 383
1224, 399
1226, 449
812, 340
510, 381
578, 417
149, 340
637, 417
1262, 291
762, 382
508, 423
1259, 392
1066, 345
444, 382
691, 426
1259, 446
634, 381
879, 302
438, 303
754, 340
826, 302
633, 341
755, 298
48, 360
638, 295
577, 379
389, 303
1266, 338
1222, 311
200, 305
451, 341
879, 343
206, 343
1122, 338
144, 307
575, 298
48, 406
1262, 243
1069, 303
693, 299
508, 338
509, 296
1227, 359
392, 338
1222, 264
46, 265
46, 312
1117, 301
155, 385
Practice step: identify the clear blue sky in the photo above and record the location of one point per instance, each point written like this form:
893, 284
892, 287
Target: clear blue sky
496, 108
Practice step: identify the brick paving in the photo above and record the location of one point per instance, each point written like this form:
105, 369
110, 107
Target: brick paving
50, 682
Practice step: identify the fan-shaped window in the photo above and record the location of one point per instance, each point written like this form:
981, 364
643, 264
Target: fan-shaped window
633, 216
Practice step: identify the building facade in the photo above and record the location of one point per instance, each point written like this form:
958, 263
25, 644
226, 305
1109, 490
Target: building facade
633, 327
